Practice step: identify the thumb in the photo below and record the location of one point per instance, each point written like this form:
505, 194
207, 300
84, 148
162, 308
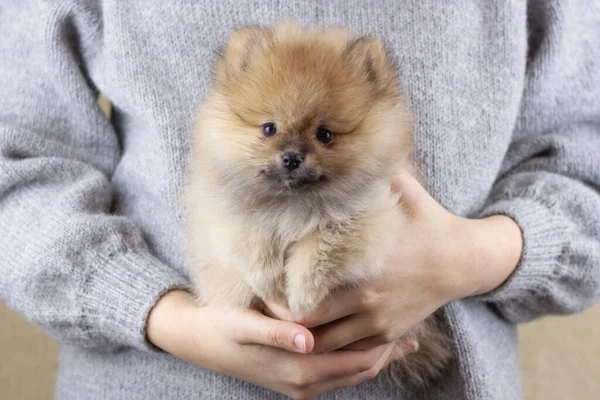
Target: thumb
412, 194
256, 328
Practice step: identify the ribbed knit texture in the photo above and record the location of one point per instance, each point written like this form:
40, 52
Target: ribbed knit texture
505, 102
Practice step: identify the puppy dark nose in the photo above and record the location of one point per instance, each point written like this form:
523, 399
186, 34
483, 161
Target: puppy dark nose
291, 160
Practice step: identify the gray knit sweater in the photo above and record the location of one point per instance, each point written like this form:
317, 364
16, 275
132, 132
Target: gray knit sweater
506, 103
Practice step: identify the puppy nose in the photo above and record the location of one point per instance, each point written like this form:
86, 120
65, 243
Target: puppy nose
291, 160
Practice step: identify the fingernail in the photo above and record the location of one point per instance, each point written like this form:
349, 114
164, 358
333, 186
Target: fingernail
412, 346
300, 342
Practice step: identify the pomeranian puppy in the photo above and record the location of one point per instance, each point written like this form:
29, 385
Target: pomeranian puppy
288, 195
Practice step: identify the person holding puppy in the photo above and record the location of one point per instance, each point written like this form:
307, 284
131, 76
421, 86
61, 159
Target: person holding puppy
93, 248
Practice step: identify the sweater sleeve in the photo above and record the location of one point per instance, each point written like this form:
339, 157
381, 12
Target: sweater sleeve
84, 276
550, 183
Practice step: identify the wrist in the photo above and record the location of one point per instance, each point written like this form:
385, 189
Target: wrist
498, 245
161, 325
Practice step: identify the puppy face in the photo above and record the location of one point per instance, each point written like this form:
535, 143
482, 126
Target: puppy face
302, 110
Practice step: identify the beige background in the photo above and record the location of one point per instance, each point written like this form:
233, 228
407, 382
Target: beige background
559, 358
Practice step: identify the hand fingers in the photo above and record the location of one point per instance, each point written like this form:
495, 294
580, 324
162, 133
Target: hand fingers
407, 345
339, 305
277, 311
315, 368
403, 347
347, 381
391, 353
256, 328
343, 332
363, 344
297, 372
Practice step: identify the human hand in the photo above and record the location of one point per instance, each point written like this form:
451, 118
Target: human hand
441, 258
253, 347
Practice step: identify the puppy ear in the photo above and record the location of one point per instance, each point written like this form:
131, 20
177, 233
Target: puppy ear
368, 55
244, 44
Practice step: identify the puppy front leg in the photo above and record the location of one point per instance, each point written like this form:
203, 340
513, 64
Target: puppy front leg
263, 270
218, 285
315, 266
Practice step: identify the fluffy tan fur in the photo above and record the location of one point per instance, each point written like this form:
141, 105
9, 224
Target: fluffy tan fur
258, 231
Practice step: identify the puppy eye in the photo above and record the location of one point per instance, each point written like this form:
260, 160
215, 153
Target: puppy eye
269, 129
324, 135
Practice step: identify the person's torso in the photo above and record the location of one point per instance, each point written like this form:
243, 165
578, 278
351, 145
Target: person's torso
461, 65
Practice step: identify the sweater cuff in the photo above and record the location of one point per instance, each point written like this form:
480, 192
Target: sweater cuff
545, 236
120, 292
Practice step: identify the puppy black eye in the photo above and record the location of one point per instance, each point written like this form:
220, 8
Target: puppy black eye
324, 135
269, 129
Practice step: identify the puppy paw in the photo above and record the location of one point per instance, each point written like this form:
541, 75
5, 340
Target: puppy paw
305, 300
